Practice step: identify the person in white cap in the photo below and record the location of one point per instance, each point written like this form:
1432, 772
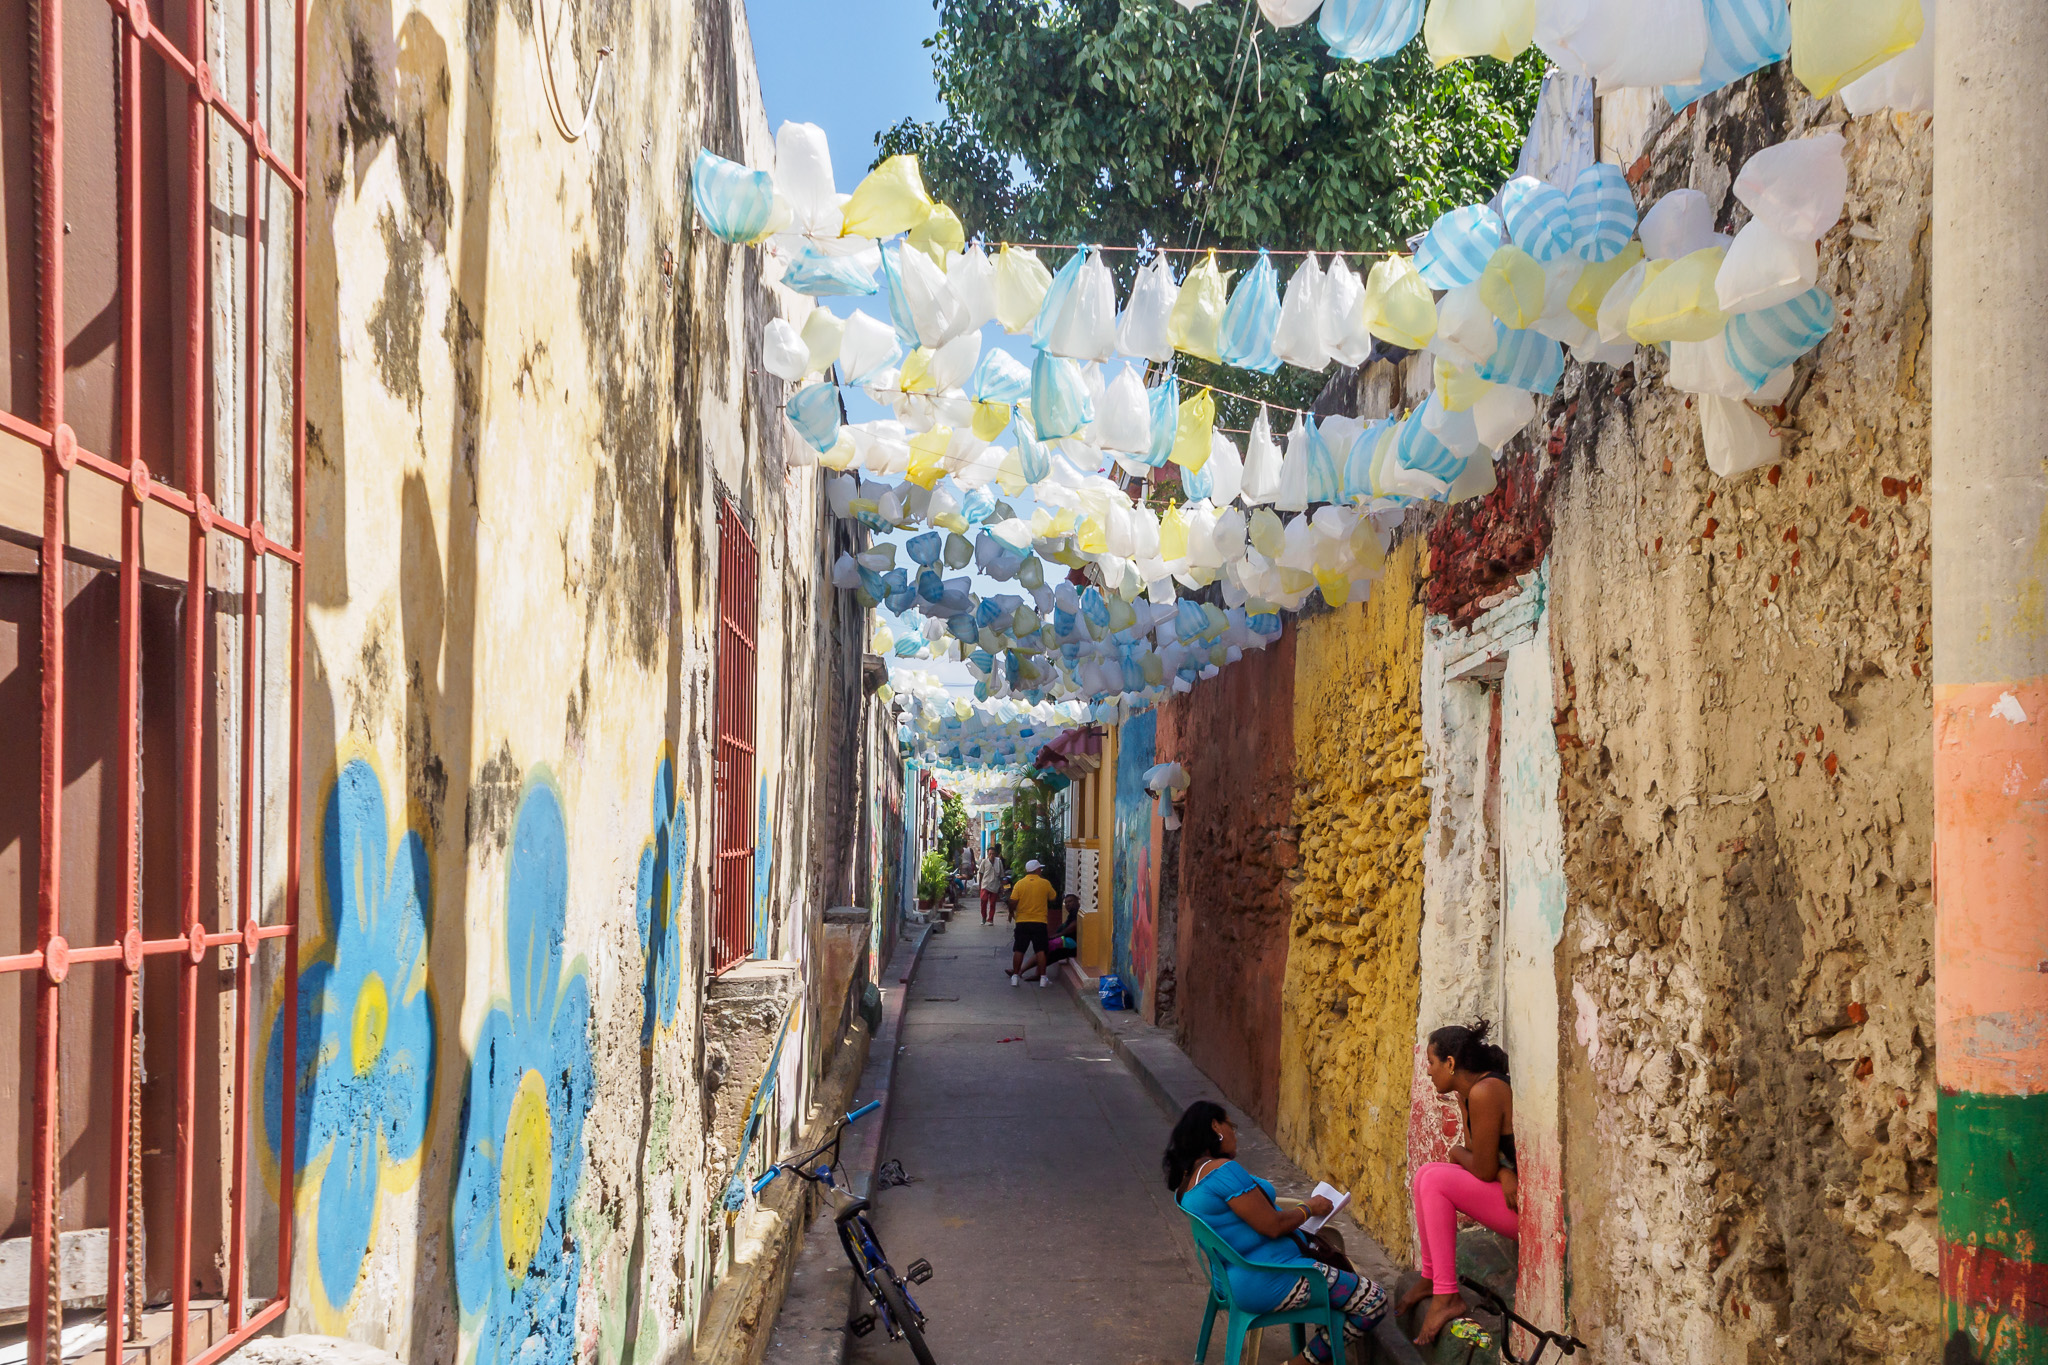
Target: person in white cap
1030, 897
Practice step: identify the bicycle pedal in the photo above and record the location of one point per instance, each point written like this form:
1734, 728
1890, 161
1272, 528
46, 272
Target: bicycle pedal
919, 1271
861, 1325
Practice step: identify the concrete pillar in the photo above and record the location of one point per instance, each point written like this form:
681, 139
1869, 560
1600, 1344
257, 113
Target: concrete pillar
1990, 521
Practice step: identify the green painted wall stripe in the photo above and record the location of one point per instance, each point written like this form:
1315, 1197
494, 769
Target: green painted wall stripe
1991, 1150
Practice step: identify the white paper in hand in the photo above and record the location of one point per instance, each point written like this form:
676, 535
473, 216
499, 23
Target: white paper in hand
1339, 1200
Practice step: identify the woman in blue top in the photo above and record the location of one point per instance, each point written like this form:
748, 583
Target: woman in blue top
1208, 1182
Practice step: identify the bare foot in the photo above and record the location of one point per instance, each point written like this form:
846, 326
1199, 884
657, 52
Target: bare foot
1417, 1292
1442, 1309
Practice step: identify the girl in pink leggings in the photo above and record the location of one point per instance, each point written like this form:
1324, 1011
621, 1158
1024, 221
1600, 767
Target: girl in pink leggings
1478, 1180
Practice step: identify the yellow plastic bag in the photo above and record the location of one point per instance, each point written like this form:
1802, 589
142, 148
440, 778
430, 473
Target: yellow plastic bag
1595, 280
1336, 587
1398, 307
915, 376
990, 419
1835, 41
1266, 533
1366, 547
1021, 283
1382, 449
1198, 316
1091, 536
939, 235
1478, 28
1192, 432
1512, 287
1010, 474
1173, 534
927, 454
843, 453
1459, 386
889, 201
1680, 304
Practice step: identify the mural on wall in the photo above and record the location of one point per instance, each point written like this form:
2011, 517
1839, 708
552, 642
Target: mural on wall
764, 869
364, 1073
530, 1083
663, 859
1134, 860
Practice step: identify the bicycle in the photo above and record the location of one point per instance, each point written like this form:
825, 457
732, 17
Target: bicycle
1566, 1344
888, 1292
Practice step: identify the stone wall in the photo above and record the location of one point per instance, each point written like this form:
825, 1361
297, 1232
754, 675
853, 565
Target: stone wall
1743, 711
1235, 853
1349, 1005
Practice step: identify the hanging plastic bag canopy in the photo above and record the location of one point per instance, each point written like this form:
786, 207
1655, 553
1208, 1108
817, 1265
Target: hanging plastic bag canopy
1144, 329
1478, 28
1398, 306
1835, 41
1059, 397
1538, 217
1342, 315
814, 412
1163, 407
803, 173
939, 235
1197, 419
1602, 211
1512, 287
1021, 285
1797, 187
1523, 360
1458, 246
1742, 36
1078, 317
890, 200
1369, 30
1245, 335
819, 275
1680, 303
1906, 82
999, 378
736, 204
1198, 312
1765, 341
1298, 335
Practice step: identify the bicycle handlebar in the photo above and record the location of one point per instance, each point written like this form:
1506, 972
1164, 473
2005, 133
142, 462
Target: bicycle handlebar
870, 1107
768, 1176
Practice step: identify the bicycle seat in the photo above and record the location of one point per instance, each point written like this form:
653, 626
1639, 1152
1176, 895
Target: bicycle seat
856, 1206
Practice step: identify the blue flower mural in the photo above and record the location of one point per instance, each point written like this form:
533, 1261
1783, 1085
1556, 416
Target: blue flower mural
364, 1074
662, 861
530, 1083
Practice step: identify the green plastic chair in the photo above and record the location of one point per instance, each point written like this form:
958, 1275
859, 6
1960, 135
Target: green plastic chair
1317, 1312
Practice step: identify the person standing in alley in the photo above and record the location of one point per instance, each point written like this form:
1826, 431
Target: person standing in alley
1030, 898
992, 876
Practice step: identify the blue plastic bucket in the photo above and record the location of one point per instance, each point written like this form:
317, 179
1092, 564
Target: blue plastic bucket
1110, 987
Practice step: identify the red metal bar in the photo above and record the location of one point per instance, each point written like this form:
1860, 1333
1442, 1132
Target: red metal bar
732, 825
44, 1307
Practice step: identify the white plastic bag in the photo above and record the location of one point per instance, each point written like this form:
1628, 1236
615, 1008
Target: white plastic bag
1123, 419
783, 352
1287, 13
953, 362
972, 277
1679, 224
1292, 495
1464, 331
1797, 187
934, 311
1084, 327
1500, 413
1262, 461
1906, 82
803, 173
1298, 340
1764, 267
869, 346
1021, 282
1478, 28
1665, 43
1144, 328
1343, 315
1737, 439
1225, 469
1612, 320
1702, 367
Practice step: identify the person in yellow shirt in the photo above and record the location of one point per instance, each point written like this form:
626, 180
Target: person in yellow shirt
1030, 895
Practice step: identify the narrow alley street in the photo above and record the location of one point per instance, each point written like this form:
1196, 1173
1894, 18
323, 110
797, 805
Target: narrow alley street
1036, 1194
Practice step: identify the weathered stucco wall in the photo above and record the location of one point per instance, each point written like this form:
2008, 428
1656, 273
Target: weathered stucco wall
531, 383
1350, 999
1743, 709
1234, 856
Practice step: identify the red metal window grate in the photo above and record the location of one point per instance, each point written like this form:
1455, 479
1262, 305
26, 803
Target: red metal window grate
172, 176
732, 873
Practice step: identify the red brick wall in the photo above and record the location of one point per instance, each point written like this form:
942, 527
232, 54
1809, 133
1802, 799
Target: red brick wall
1235, 736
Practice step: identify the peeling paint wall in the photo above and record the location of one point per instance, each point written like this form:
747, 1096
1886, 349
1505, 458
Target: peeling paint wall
532, 384
1350, 998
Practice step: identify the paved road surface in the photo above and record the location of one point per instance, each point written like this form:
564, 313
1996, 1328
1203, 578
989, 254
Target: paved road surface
1038, 1196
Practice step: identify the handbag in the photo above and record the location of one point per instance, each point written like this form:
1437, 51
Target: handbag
1325, 1247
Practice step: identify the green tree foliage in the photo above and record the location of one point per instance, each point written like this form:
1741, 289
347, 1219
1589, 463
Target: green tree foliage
1025, 831
932, 875
1111, 121
952, 826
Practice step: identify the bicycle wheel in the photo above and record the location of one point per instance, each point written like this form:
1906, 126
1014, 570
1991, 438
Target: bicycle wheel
899, 1310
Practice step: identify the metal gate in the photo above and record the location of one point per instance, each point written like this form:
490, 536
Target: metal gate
732, 874
201, 629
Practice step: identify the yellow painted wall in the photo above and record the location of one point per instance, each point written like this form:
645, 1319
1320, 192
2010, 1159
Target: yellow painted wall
1348, 1017
1098, 947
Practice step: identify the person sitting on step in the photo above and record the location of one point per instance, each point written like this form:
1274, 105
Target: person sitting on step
1065, 941
1029, 897
1202, 1171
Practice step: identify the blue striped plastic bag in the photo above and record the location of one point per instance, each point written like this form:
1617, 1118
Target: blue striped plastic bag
1538, 216
736, 204
1523, 360
1458, 246
1164, 401
1765, 341
1059, 397
1325, 476
1742, 36
1250, 319
814, 412
999, 378
1369, 30
1603, 213
819, 275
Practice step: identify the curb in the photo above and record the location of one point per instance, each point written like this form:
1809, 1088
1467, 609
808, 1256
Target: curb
863, 1146
1174, 1082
